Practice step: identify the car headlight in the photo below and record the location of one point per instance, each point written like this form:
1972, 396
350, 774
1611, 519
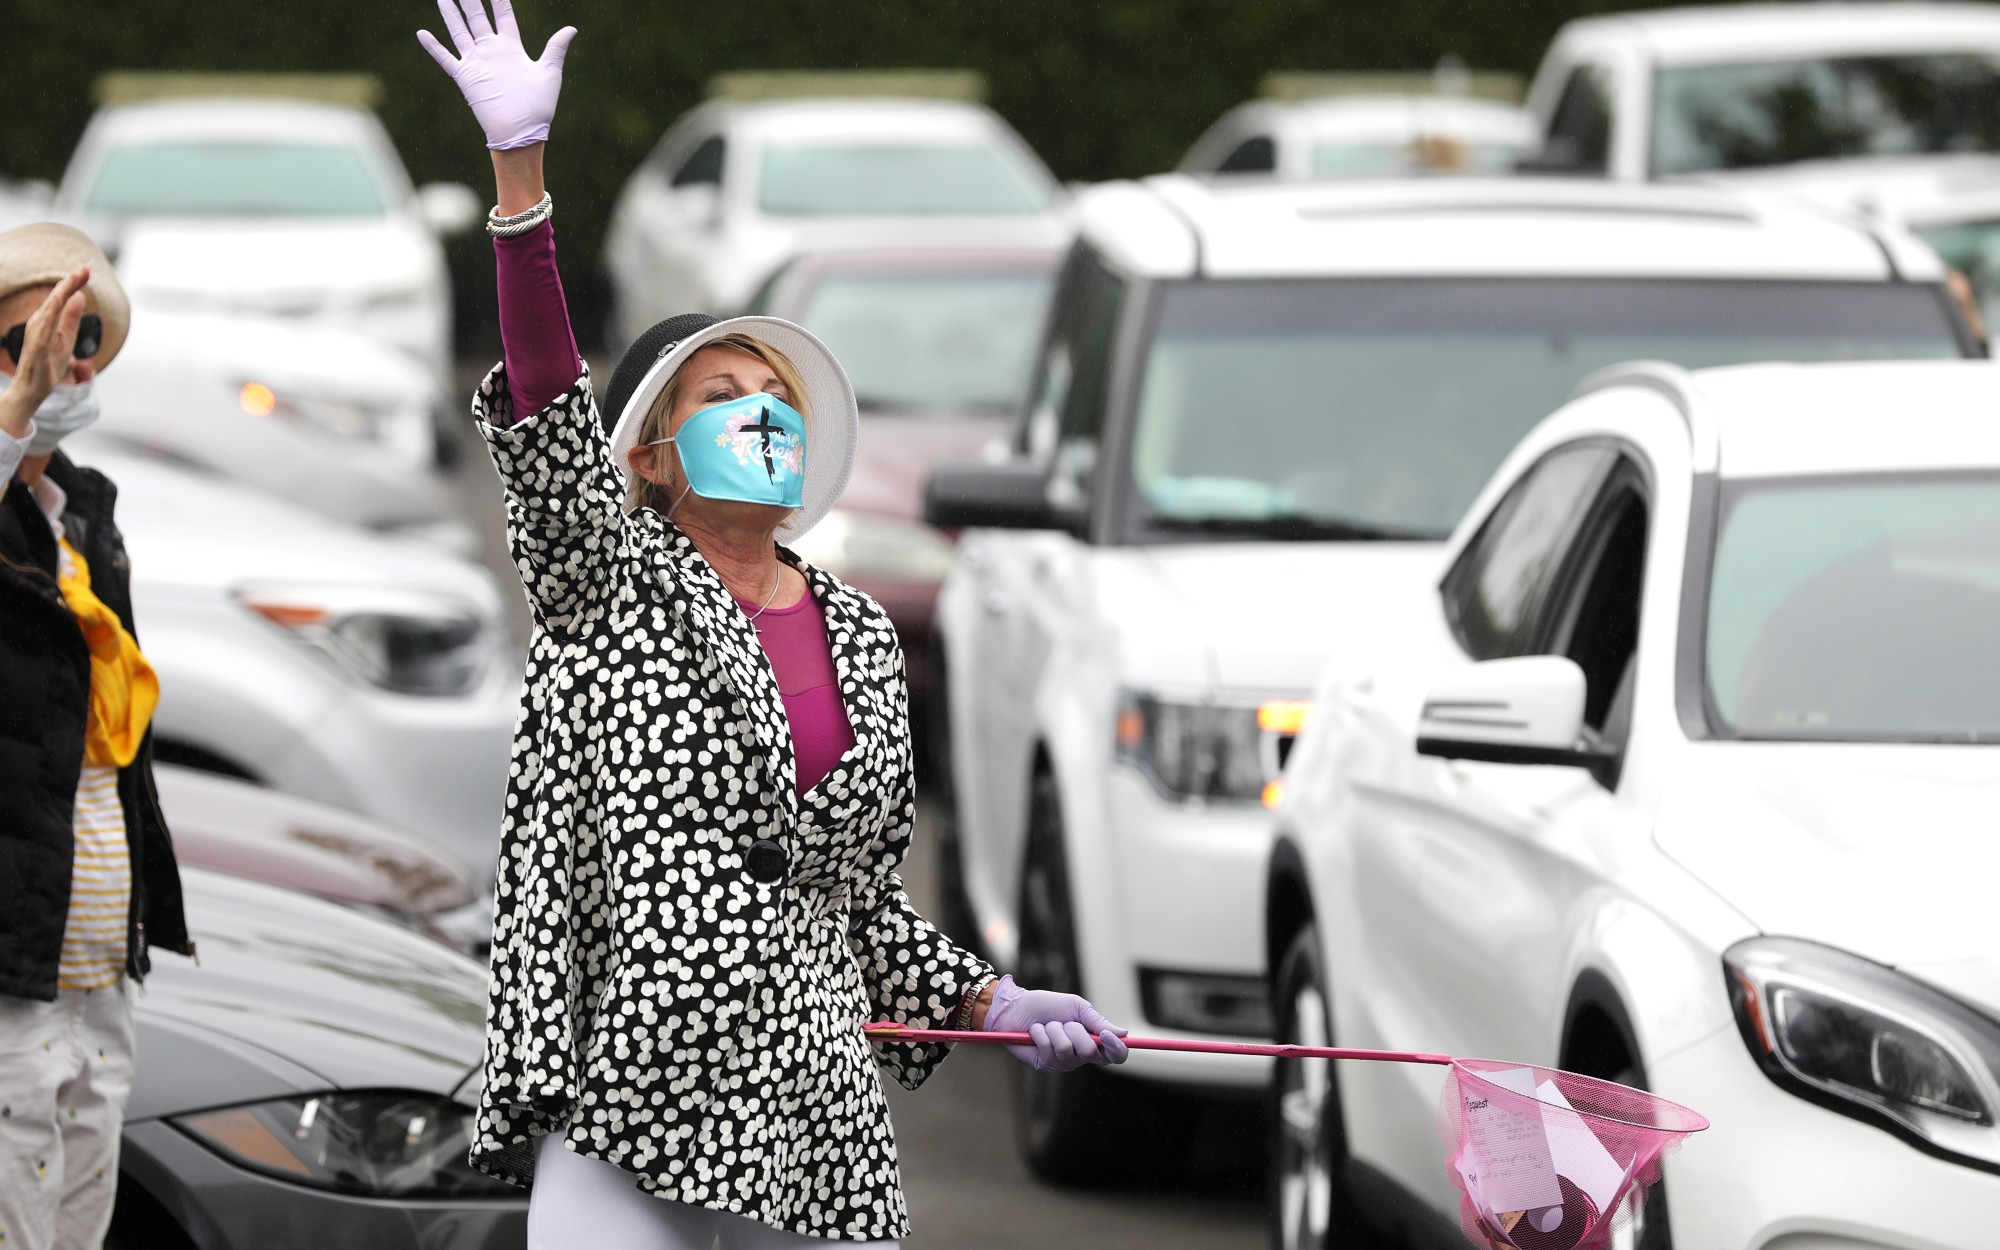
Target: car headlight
377, 1143
409, 641
852, 545
1208, 750
1870, 1042
348, 418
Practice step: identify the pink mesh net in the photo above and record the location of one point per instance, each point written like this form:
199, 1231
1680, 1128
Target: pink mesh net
1549, 1160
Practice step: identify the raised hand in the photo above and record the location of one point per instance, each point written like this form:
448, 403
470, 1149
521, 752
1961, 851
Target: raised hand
512, 95
46, 348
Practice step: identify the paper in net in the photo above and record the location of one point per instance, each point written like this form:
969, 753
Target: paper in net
1549, 1160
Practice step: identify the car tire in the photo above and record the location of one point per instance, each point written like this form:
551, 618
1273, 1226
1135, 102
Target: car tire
1649, 1228
1083, 1128
954, 903
1310, 1205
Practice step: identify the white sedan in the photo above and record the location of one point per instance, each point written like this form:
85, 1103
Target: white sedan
360, 670
736, 188
1671, 783
293, 209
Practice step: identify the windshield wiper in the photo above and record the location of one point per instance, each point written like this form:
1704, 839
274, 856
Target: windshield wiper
1295, 526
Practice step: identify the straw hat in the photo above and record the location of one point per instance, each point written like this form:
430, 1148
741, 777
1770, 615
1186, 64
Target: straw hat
45, 253
833, 418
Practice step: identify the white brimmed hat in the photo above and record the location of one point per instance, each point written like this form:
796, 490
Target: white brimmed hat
833, 418
45, 253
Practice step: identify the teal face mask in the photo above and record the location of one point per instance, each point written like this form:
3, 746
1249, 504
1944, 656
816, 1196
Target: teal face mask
752, 450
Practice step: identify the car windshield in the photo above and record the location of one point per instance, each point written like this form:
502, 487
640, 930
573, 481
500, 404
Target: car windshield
1309, 407
1431, 154
850, 180
236, 179
1741, 116
936, 341
1857, 609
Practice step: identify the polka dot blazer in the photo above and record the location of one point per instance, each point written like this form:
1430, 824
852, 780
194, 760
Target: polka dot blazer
651, 1001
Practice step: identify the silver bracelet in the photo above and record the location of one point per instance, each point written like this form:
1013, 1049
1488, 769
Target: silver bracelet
963, 1023
520, 223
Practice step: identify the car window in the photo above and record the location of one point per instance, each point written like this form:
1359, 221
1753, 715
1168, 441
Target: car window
1258, 155
1580, 131
1327, 408
1746, 115
1597, 624
1065, 417
236, 179
934, 340
857, 179
1494, 593
703, 165
1856, 608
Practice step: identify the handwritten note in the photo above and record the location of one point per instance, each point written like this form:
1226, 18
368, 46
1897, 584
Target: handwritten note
1510, 1168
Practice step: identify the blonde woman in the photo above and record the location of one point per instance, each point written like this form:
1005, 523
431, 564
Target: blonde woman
712, 784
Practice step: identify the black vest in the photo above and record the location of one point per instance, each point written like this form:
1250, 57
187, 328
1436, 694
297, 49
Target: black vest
44, 709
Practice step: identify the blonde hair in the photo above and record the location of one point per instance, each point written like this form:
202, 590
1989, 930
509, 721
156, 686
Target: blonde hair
645, 494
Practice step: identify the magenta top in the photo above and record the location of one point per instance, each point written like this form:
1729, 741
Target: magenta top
795, 640
542, 359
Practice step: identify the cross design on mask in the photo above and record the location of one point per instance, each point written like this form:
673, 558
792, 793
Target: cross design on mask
766, 428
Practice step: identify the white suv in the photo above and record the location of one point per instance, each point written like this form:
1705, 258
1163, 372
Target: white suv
1257, 414
1684, 776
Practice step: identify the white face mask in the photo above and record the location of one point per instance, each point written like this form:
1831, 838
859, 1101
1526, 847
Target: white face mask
66, 410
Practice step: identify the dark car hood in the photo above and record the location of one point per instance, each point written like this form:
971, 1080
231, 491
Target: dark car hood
295, 995
897, 450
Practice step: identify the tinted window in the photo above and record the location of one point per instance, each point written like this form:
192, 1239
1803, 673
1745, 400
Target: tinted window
1499, 584
933, 340
231, 179
1252, 156
703, 165
1580, 131
1742, 116
1300, 406
1599, 625
852, 179
1065, 417
1857, 608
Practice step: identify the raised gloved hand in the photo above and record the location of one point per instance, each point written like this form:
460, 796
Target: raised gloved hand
513, 96
1061, 1025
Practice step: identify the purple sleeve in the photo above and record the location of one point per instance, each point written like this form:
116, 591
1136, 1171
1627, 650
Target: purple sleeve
542, 360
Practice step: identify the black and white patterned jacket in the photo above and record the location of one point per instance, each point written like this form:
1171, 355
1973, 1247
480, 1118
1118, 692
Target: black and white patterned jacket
649, 999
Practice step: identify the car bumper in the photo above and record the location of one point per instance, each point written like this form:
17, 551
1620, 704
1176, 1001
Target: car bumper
1184, 892
223, 1207
1775, 1172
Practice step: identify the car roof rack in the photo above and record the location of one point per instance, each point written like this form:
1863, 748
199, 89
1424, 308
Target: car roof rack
750, 86
141, 86
1450, 79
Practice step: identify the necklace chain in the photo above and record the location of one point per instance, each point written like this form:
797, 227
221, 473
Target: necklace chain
777, 580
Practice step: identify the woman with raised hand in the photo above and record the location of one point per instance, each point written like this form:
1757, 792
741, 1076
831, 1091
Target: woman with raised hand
698, 905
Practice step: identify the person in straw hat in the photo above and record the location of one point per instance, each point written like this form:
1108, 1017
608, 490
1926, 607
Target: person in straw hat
87, 875
698, 901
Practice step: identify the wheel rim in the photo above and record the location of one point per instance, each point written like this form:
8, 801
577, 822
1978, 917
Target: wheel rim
1304, 1163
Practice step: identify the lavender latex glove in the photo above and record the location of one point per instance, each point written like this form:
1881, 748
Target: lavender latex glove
1061, 1025
512, 96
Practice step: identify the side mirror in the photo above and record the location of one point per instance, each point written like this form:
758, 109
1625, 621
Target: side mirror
1524, 710
1012, 494
449, 207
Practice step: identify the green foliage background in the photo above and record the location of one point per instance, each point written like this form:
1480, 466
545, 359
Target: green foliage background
1102, 88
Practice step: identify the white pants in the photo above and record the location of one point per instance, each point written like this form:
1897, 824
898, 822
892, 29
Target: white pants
65, 1069
580, 1203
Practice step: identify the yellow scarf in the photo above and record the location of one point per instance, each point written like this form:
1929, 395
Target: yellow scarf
124, 690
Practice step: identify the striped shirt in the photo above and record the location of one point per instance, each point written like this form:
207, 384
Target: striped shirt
100, 886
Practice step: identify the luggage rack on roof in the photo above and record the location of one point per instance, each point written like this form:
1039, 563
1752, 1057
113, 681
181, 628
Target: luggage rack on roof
140, 86
750, 86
